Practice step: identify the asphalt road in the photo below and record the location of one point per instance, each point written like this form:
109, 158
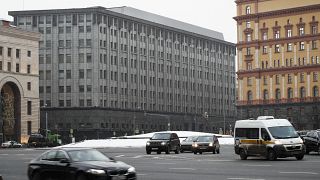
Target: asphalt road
186, 166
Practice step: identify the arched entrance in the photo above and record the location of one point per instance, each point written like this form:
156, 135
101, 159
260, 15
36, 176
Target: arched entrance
10, 112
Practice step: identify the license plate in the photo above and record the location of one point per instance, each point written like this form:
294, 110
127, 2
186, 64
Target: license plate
154, 148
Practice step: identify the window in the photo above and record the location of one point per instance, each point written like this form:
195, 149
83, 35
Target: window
277, 79
302, 92
61, 89
277, 48
89, 88
29, 86
18, 53
17, 67
29, 127
289, 33
265, 80
1, 50
315, 91
68, 74
248, 10
315, 77
88, 28
61, 103
301, 78
265, 36
289, 79
301, 31
29, 108
29, 53
314, 30
264, 50
249, 66
48, 30
28, 68
289, 47
314, 45
81, 29
9, 52
248, 36
249, 95
301, 46
248, 24
60, 30
81, 88
68, 89
277, 34
68, 29
278, 94
81, 74
290, 93
265, 95
9, 66
247, 133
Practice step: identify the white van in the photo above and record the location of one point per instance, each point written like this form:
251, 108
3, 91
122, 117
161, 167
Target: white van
267, 137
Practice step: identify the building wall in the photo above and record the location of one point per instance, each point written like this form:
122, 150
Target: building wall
269, 63
135, 64
27, 45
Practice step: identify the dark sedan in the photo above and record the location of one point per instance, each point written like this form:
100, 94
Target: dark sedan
78, 164
312, 141
206, 144
186, 145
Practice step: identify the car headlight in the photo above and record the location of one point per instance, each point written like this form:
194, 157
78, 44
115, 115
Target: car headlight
301, 141
148, 144
163, 143
211, 144
195, 145
96, 171
131, 170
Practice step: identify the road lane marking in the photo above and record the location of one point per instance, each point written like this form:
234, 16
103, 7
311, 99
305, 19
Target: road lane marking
165, 163
313, 173
244, 179
182, 169
136, 157
261, 165
119, 155
4, 154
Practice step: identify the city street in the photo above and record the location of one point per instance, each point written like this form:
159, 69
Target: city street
186, 166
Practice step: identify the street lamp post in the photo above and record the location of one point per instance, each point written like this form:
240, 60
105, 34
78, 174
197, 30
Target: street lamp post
45, 106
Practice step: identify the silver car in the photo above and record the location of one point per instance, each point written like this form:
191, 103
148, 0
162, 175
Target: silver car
11, 144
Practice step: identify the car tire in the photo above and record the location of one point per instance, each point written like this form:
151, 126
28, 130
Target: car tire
299, 156
200, 152
194, 152
36, 176
168, 150
271, 156
214, 151
243, 154
81, 176
182, 151
177, 150
218, 151
148, 152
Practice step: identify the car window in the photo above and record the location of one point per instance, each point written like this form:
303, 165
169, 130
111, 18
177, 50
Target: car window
264, 134
61, 155
161, 136
49, 156
205, 139
87, 155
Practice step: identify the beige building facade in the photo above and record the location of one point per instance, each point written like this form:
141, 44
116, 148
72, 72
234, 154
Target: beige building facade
19, 83
278, 60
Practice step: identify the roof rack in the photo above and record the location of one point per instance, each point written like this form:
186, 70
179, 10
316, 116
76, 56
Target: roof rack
265, 117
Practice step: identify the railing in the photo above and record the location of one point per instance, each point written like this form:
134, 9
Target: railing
279, 101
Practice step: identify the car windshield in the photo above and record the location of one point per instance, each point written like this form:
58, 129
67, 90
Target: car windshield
87, 155
205, 139
283, 132
161, 136
190, 139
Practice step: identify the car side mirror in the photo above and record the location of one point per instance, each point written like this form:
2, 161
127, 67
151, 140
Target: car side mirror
64, 161
266, 138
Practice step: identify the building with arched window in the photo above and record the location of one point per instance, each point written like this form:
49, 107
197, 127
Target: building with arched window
19, 83
281, 56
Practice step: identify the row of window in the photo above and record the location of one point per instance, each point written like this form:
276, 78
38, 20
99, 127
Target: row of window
302, 93
17, 66
10, 52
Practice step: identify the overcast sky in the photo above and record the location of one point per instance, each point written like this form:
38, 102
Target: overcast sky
212, 14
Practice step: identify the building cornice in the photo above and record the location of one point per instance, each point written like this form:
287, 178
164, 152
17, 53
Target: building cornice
277, 13
275, 71
279, 101
239, 2
19, 33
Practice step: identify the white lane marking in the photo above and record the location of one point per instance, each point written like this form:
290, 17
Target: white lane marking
313, 173
136, 157
261, 165
244, 179
165, 163
4, 154
217, 160
183, 169
119, 155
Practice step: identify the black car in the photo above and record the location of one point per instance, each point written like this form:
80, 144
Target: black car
78, 164
206, 144
186, 145
312, 141
163, 142
37, 140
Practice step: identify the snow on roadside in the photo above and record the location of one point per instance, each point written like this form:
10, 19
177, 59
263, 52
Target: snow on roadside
140, 140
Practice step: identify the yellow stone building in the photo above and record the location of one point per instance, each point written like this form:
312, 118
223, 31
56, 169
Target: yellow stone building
279, 60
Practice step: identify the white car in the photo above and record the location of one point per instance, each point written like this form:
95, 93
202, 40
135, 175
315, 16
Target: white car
11, 144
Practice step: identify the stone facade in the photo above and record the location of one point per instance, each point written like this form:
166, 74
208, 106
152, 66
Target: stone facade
130, 60
278, 59
19, 83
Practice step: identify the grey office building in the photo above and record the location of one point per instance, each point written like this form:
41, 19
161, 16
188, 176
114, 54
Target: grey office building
116, 71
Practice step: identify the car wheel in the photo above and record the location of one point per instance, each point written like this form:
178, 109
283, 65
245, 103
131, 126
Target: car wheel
299, 156
214, 151
200, 152
168, 150
243, 154
81, 176
218, 151
148, 152
36, 176
181, 150
194, 152
271, 156
177, 150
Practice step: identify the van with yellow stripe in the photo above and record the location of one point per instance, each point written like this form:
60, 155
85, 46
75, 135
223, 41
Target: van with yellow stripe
267, 137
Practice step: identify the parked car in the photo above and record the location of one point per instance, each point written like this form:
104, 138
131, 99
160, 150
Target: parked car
78, 164
37, 140
206, 144
11, 144
163, 142
186, 145
312, 141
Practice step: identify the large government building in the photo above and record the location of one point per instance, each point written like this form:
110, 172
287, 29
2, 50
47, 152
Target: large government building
19, 83
278, 60
116, 71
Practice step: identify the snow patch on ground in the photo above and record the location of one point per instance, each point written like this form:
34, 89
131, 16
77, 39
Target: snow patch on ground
141, 140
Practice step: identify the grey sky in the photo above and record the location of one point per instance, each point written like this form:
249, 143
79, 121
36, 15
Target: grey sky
212, 14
